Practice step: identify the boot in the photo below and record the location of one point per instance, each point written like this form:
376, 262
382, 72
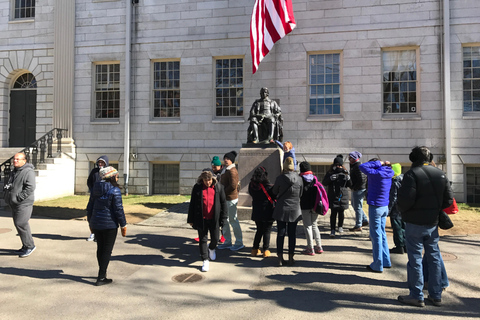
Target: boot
291, 262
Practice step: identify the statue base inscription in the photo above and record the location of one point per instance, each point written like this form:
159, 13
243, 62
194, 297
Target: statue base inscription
251, 156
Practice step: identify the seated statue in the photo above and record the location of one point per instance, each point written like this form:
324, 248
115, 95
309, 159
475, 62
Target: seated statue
266, 123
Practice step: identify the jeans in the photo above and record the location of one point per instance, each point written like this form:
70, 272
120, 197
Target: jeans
289, 228
105, 241
398, 227
232, 220
333, 217
311, 228
444, 278
208, 225
264, 228
381, 254
357, 204
419, 238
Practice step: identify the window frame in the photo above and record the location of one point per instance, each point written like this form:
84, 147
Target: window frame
94, 118
13, 9
470, 113
235, 118
332, 116
410, 115
154, 119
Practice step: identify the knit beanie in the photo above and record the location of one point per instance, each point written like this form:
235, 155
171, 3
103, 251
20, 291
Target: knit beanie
107, 172
305, 166
230, 155
355, 155
338, 160
216, 161
397, 169
288, 164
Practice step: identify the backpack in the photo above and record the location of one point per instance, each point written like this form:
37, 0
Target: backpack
338, 187
321, 201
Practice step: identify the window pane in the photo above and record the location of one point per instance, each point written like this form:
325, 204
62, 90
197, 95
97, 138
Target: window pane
107, 91
471, 79
166, 89
399, 81
229, 77
166, 179
324, 81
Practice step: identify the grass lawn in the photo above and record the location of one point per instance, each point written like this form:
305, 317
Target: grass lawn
136, 207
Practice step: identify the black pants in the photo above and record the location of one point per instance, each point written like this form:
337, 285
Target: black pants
398, 227
333, 217
264, 228
289, 228
208, 225
105, 241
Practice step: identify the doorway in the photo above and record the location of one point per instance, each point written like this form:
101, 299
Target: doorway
23, 111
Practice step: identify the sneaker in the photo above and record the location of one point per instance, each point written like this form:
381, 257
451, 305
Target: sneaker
222, 240
225, 246
398, 250
308, 252
364, 223
266, 253
19, 251
103, 281
92, 237
318, 249
27, 252
411, 301
256, 252
212, 254
340, 230
373, 270
355, 229
332, 234
436, 302
206, 265
237, 247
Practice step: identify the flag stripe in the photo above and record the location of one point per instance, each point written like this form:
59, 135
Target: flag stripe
271, 21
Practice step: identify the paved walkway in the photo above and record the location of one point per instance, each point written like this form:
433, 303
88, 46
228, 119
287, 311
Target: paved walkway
56, 281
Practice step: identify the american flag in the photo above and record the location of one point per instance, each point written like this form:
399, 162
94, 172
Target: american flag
271, 21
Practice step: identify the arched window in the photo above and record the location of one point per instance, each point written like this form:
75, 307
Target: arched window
25, 81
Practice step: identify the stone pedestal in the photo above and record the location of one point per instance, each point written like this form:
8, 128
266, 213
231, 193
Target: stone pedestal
250, 157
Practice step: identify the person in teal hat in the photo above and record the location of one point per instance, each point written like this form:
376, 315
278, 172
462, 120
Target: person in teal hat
396, 221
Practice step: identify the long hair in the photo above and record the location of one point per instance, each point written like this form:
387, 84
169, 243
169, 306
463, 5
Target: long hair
260, 175
113, 181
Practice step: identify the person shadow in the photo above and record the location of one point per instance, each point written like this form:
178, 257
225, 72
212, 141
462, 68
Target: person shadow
44, 274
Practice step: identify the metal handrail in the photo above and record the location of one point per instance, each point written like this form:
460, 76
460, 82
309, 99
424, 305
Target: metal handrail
44, 143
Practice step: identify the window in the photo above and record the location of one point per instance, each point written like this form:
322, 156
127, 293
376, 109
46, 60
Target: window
24, 9
471, 79
229, 87
399, 81
25, 81
324, 84
107, 91
473, 185
320, 170
166, 179
166, 89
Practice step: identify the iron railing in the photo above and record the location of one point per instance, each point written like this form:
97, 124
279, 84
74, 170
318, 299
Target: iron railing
41, 146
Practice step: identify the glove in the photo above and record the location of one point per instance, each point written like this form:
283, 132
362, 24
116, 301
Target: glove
333, 177
124, 231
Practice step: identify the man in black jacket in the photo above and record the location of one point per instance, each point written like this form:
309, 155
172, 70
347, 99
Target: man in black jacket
359, 190
424, 192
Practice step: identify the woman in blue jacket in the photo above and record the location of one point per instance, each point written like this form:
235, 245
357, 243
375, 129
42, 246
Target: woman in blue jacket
379, 176
105, 214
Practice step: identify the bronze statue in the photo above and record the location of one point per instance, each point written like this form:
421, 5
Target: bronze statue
266, 121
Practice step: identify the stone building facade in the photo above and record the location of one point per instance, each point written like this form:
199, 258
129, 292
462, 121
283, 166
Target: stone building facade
353, 75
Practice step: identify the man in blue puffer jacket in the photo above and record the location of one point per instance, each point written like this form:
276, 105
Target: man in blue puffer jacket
379, 175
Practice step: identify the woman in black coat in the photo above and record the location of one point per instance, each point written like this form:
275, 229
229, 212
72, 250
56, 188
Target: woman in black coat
262, 210
338, 181
207, 212
288, 189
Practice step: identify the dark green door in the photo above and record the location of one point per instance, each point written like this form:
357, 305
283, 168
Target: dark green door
23, 117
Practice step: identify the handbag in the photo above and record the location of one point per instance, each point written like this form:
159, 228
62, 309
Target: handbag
444, 221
